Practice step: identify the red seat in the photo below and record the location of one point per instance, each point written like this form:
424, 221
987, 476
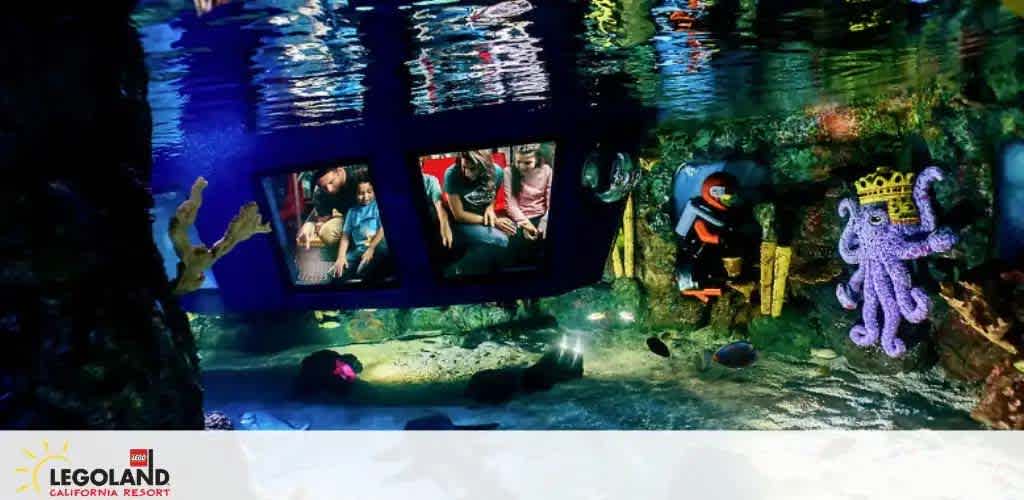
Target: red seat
437, 167
294, 204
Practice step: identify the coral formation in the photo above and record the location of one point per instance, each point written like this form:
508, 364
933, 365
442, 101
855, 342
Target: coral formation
976, 312
963, 354
1000, 406
196, 259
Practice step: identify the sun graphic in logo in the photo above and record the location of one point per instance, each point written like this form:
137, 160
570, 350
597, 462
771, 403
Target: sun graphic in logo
38, 461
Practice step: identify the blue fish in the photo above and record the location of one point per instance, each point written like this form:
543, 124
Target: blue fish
736, 355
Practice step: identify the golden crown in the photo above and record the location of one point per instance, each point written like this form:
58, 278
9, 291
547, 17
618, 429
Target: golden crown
895, 189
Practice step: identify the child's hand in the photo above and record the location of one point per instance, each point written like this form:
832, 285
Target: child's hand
365, 259
529, 230
338, 269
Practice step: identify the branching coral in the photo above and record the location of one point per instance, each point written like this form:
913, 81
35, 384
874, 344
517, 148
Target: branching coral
977, 313
1000, 406
195, 259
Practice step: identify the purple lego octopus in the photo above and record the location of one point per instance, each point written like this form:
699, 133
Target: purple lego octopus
882, 281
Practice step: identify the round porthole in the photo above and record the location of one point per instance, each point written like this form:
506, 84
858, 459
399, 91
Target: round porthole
610, 177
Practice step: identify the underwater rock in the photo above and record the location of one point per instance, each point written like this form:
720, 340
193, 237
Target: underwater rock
218, 421
494, 386
460, 318
1000, 406
656, 265
552, 368
541, 328
702, 361
723, 310
261, 333
475, 337
837, 123
81, 274
790, 333
964, 354
814, 272
370, 325
833, 323
439, 422
327, 372
920, 355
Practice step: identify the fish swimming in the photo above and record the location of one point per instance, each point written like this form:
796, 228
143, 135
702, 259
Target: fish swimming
263, 421
439, 422
736, 355
824, 354
658, 347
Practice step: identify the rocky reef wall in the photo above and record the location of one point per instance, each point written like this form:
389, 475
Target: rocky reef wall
92, 336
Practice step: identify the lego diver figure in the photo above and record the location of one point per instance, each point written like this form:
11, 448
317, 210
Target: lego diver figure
705, 258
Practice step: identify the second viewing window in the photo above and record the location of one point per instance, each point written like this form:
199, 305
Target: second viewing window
489, 208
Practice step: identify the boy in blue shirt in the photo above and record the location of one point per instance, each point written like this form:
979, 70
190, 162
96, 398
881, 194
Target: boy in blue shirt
362, 242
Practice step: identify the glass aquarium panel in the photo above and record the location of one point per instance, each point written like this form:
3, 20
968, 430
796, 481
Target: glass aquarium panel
489, 208
329, 226
473, 55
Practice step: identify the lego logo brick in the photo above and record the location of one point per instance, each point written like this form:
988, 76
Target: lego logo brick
138, 458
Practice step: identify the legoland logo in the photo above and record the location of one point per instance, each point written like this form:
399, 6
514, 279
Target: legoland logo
142, 478
38, 461
138, 458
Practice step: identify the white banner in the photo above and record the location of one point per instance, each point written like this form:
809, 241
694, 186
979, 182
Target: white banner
504, 465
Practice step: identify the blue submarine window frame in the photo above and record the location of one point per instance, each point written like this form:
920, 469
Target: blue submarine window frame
514, 275
287, 267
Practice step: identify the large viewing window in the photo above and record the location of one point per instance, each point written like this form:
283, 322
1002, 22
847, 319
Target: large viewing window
489, 208
329, 226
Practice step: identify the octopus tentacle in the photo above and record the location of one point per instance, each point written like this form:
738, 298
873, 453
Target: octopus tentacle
857, 280
866, 334
849, 243
923, 200
891, 344
914, 304
849, 294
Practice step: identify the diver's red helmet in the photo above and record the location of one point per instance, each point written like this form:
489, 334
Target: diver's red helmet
719, 190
